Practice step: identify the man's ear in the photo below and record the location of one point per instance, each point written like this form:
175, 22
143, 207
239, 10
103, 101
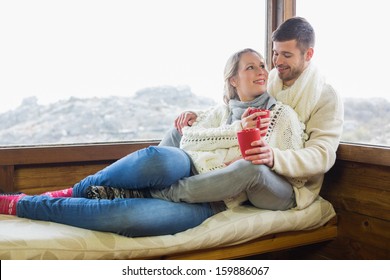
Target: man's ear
309, 54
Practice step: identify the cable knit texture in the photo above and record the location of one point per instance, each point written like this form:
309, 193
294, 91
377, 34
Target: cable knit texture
321, 109
303, 95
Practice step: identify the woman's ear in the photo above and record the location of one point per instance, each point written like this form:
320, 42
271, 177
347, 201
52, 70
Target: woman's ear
233, 81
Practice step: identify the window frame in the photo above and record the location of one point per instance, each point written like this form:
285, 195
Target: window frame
277, 12
13, 157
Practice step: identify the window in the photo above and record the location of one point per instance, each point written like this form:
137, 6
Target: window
90, 71
351, 49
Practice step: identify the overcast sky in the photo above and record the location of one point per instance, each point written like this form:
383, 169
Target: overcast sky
84, 48
352, 44
56, 49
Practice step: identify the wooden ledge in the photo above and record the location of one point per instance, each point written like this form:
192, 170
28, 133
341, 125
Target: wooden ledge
265, 244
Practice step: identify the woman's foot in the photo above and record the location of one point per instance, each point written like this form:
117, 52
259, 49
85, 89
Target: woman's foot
61, 193
8, 203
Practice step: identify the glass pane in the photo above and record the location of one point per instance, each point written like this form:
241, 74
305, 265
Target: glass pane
351, 49
91, 71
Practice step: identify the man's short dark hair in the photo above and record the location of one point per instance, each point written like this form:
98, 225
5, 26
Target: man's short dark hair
296, 28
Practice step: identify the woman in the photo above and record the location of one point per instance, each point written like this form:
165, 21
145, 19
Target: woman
212, 145
215, 161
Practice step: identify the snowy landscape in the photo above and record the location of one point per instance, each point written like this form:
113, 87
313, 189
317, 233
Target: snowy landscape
148, 114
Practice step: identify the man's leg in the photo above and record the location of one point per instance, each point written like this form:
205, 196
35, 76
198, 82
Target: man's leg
171, 138
264, 188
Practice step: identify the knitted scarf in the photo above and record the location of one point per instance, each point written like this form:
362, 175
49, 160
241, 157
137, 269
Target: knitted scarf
237, 107
303, 95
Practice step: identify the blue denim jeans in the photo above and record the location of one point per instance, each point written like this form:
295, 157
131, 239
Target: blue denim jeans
153, 167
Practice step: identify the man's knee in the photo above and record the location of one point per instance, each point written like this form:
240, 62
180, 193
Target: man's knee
171, 138
249, 170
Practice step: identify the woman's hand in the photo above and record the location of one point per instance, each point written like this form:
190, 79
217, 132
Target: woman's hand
185, 119
261, 153
253, 121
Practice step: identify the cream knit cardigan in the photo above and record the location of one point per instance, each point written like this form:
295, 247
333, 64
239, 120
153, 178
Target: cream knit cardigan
320, 108
211, 143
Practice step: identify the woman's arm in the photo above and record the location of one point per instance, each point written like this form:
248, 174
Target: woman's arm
210, 131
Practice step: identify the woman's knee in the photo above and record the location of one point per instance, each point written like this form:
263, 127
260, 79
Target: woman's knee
247, 168
169, 162
167, 156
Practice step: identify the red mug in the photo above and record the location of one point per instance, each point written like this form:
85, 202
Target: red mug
267, 115
246, 137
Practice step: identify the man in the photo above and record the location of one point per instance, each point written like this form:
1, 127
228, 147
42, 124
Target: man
295, 81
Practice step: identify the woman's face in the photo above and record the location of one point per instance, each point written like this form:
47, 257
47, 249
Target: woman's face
251, 78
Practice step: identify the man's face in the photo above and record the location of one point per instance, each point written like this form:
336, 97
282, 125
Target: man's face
289, 60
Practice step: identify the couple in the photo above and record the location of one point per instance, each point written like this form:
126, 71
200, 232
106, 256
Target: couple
284, 170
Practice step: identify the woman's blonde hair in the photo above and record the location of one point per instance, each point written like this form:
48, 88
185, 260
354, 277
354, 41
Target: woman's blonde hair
231, 69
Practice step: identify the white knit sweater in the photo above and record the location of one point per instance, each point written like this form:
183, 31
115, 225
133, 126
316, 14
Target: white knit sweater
212, 143
321, 109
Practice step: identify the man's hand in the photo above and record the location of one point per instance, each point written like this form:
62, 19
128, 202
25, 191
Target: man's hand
185, 119
261, 153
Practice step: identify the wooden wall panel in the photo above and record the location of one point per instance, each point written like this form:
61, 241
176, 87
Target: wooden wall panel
360, 193
39, 179
364, 229
360, 188
7, 178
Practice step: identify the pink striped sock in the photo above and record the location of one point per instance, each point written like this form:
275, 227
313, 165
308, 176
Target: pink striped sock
61, 193
8, 203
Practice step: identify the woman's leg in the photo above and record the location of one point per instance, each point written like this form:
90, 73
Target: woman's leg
153, 167
264, 188
129, 217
